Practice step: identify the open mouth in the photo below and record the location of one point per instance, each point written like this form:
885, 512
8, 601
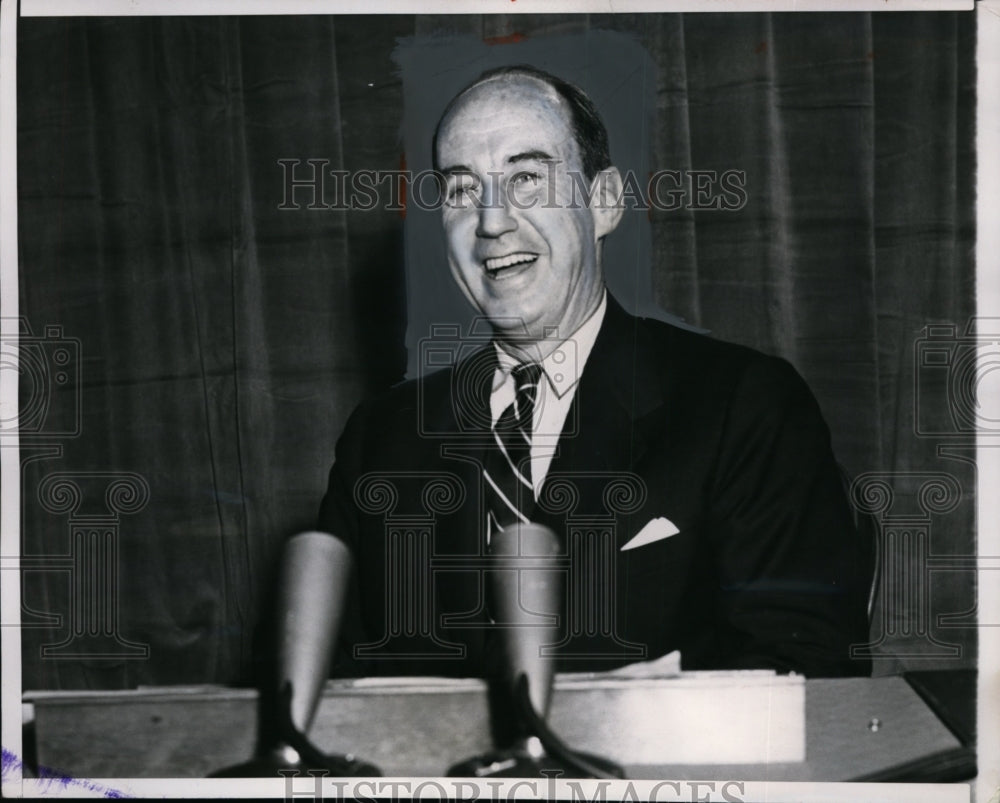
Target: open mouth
509, 265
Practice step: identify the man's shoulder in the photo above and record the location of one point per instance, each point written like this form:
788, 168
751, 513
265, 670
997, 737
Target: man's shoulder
697, 344
698, 371
428, 392
700, 354
407, 392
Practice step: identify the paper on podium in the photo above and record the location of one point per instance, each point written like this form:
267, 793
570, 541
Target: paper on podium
732, 717
650, 713
666, 666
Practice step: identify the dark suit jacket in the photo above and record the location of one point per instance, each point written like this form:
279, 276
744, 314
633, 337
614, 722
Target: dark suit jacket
767, 569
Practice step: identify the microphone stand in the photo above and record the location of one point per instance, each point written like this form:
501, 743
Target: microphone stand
314, 579
527, 585
293, 751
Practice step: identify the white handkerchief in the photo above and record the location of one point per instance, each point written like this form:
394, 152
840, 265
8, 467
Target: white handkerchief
655, 530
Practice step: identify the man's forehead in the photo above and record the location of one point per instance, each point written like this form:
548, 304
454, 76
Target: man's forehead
513, 83
503, 94
505, 101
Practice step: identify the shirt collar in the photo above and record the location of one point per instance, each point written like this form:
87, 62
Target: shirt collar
564, 364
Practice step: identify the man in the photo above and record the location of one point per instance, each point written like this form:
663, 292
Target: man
701, 484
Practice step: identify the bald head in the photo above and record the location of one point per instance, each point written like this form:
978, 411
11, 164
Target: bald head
583, 122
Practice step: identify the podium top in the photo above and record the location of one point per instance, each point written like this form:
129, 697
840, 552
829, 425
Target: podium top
420, 726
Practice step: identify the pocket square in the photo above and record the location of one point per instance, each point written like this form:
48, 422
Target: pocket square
655, 530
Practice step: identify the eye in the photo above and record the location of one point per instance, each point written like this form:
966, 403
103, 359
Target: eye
523, 188
525, 179
462, 189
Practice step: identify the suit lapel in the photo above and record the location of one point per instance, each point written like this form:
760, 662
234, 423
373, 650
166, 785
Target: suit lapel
618, 411
618, 406
456, 401
460, 411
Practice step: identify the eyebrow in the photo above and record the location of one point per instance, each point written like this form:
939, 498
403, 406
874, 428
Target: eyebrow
529, 156
523, 156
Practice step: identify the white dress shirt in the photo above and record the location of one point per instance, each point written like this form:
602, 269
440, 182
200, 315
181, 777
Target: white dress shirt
562, 370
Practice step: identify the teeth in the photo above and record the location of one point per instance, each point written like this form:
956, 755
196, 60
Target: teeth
497, 263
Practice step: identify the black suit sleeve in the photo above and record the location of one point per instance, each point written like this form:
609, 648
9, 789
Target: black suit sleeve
338, 515
793, 570
338, 512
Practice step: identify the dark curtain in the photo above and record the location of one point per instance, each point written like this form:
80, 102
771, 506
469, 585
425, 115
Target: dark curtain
216, 343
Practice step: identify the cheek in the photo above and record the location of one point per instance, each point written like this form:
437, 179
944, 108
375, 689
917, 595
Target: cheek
459, 233
567, 240
463, 275
561, 226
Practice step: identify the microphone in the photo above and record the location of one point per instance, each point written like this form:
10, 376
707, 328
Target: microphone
315, 574
527, 587
527, 591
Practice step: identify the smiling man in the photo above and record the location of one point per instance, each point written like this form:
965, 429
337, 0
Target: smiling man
690, 481
522, 243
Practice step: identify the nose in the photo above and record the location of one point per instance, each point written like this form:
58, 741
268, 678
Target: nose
494, 213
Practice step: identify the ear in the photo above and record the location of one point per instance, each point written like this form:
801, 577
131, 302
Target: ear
606, 201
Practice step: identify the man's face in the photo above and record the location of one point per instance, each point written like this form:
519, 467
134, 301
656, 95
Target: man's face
522, 242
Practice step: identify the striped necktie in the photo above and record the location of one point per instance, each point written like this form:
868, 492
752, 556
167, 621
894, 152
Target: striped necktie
510, 495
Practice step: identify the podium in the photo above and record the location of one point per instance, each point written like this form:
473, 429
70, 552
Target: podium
854, 728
